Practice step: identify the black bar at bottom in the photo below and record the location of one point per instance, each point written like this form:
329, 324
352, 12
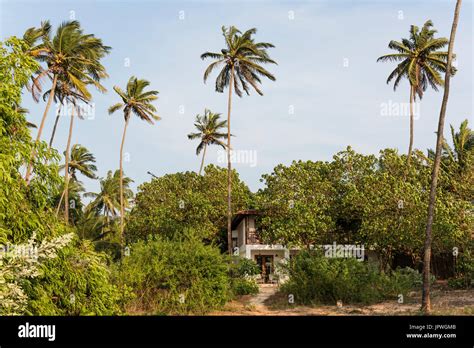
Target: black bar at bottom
266, 330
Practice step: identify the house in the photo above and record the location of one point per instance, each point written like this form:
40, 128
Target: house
246, 243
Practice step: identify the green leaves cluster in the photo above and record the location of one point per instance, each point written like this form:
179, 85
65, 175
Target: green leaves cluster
30, 210
175, 276
314, 278
169, 205
77, 282
297, 204
363, 199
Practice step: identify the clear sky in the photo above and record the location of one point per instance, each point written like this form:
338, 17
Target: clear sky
329, 92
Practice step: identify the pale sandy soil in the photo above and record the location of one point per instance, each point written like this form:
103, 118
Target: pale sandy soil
269, 302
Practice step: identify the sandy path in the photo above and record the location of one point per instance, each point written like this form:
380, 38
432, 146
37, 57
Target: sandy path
268, 302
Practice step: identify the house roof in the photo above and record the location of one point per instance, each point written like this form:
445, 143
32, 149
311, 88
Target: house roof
240, 215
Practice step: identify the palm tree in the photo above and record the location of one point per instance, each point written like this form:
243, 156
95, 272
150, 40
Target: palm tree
72, 88
462, 150
426, 300
75, 188
71, 98
138, 102
70, 56
81, 161
240, 62
65, 97
108, 201
421, 63
208, 127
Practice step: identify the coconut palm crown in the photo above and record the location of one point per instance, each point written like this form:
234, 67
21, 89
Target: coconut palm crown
421, 62
241, 58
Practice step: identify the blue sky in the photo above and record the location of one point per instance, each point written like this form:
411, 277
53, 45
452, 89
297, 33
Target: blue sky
327, 76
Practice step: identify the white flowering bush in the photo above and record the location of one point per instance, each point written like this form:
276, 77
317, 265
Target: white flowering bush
20, 262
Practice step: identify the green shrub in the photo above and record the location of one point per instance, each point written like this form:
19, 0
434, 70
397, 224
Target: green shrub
314, 278
242, 272
241, 286
464, 272
175, 277
243, 267
76, 282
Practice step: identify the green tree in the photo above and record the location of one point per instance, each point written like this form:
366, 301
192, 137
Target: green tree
421, 63
138, 102
173, 203
107, 200
460, 155
22, 210
296, 204
208, 127
82, 161
389, 204
79, 161
70, 56
241, 69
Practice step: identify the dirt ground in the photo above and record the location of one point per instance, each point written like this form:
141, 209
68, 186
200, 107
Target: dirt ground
269, 302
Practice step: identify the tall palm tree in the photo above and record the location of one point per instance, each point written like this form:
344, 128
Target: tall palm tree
134, 101
108, 200
426, 300
421, 63
208, 127
81, 161
70, 56
71, 97
74, 87
462, 150
75, 188
241, 68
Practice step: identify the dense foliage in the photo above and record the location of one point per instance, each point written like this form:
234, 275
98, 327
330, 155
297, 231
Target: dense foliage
47, 272
243, 272
76, 282
175, 276
314, 278
364, 199
168, 205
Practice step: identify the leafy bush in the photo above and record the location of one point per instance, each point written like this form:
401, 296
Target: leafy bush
243, 267
465, 272
175, 277
241, 286
242, 272
76, 282
176, 202
20, 262
314, 278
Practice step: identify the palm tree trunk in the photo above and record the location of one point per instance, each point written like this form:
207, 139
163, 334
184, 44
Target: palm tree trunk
229, 168
55, 125
40, 131
426, 301
203, 155
122, 208
60, 202
66, 168
410, 146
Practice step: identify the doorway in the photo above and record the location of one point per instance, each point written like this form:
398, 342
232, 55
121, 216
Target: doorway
265, 263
